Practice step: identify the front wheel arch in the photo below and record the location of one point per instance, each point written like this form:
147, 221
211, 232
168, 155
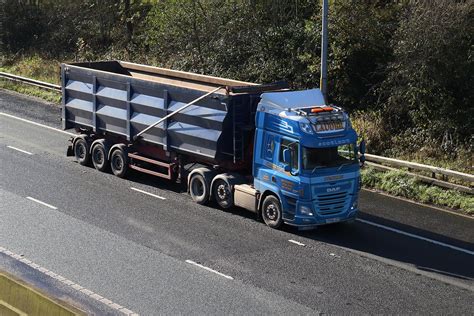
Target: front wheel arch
262, 198
272, 211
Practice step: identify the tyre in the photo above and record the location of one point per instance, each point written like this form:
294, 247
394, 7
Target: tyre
271, 212
222, 193
119, 162
81, 152
199, 189
99, 157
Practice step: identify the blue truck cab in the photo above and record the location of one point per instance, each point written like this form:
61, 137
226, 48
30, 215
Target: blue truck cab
306, 155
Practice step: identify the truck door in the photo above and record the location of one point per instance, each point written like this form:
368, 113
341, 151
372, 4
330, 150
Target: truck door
288, 181
265, 154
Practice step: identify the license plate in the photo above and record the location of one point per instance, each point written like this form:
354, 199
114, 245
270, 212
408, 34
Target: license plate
329, 126
333, 220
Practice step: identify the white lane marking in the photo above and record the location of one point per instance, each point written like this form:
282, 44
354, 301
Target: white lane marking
209, 269
296, 242
41, 202
20, 150
67, 282
439, 243
148, 193
37, 124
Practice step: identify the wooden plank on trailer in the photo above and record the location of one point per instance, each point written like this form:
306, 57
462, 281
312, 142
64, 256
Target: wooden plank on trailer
185, 75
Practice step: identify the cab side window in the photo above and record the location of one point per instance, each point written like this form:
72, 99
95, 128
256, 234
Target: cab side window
294, 148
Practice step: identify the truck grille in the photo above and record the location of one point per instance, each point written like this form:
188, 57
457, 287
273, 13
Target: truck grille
331, 203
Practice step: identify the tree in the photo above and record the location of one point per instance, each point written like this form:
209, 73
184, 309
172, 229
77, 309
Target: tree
429, 84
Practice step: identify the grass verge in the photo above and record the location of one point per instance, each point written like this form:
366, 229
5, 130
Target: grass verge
50, 96
399, 183
33, 67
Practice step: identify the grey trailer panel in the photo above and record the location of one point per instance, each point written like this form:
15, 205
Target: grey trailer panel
124, 99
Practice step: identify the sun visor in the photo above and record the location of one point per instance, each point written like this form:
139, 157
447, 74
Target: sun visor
293, 99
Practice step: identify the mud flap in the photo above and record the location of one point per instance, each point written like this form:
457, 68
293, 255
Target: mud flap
70, 151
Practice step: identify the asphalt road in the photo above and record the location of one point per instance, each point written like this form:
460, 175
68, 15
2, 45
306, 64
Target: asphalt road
133, 248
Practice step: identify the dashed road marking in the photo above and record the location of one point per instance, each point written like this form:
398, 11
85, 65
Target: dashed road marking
69, 283
37, 124
42, 203
209, 269
148, 193
20, 150
401, 232
296, 242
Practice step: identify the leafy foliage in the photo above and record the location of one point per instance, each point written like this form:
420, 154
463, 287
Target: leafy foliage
404, 68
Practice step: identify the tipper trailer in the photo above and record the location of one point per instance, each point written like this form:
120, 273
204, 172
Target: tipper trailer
282, 154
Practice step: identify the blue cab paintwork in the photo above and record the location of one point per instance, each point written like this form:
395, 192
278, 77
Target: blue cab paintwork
328, 195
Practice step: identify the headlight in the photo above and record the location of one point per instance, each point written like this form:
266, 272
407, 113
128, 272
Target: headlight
355, 204
306, 127
304, 210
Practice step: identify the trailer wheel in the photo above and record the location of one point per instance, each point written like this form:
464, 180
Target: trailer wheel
119, 162
81, 151
199, 189
223, 193
99, 157
271, 212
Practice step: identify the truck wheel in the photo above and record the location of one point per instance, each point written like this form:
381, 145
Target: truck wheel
271, 212
119, 163
223, 193
198, 189
99, 157
81, 151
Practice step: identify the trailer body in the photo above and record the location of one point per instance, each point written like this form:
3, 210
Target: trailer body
261, 147
117, 98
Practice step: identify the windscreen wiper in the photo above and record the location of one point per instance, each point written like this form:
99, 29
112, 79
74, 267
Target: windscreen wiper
317, 167
344, 164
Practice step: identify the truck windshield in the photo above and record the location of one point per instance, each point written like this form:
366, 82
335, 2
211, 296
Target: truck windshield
314, 158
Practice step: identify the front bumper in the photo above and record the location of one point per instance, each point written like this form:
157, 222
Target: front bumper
315, 220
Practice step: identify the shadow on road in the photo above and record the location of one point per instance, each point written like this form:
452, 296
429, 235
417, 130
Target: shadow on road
359, 236
422, 254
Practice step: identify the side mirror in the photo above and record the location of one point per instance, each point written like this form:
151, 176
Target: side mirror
362, 153
362, 147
